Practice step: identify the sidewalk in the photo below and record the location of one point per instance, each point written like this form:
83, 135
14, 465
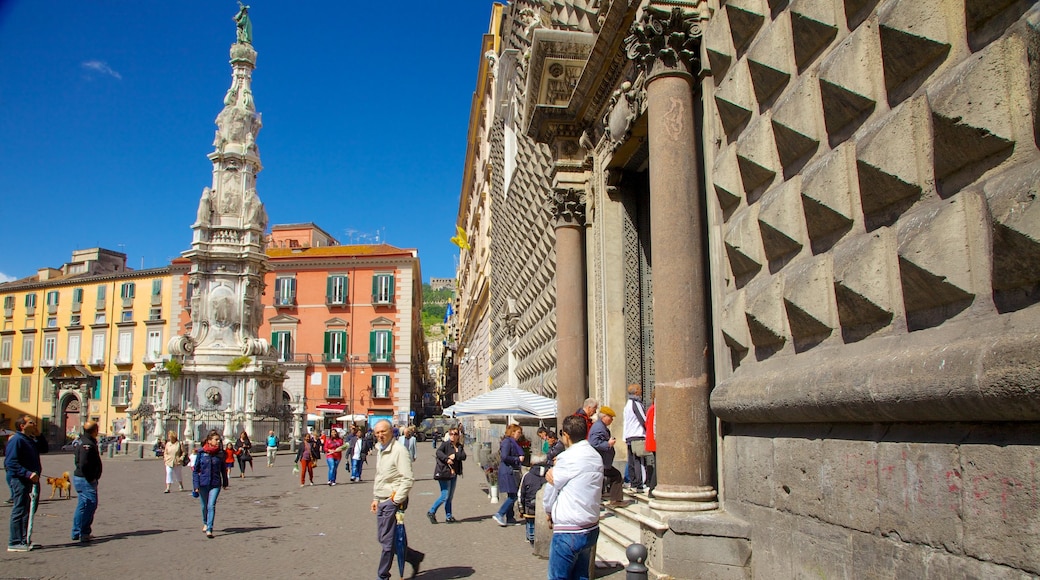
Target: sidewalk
266, 526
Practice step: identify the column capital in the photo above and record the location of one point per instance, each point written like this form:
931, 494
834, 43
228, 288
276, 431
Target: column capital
666, 40
568, 207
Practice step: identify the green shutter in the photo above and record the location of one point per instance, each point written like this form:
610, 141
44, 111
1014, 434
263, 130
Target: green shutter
156, 287
275, 340
328, 289
328, 340
389, 345
390, 284
277, 289
372, 342
374, 383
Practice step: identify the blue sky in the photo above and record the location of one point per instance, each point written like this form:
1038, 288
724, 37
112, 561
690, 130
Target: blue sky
107, 114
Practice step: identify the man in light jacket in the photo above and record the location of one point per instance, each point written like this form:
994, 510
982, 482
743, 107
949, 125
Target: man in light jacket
571, 503
393, 481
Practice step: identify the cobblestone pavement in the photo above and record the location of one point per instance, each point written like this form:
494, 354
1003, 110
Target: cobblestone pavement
267, 526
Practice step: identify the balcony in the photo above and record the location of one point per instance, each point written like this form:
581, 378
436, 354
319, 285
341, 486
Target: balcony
25, 364
30, 311
380, 357
335, 302
284, 301
5, 364
98, 363
76, 307
335, 358
8, 312
52, 309
100, 305
128, 301
120, 401
382, 300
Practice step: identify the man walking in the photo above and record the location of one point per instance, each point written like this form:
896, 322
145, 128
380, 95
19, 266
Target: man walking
22, 462
85, 480
393, 481
601, 440
407, 439
571, 503
635, 437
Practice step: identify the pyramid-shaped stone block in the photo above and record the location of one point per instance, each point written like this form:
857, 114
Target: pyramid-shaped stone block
757, 158
813, 27
890, 163
850, 82
771, 60
727, 180
766, 317
809, 302
936, 261
734, 328
827, 196
972, 125
744, 246
1013, 203
864, 274
986, 20
735, 100
718, 45
745, 18
796, 125
781, 222
856, 11
914, 42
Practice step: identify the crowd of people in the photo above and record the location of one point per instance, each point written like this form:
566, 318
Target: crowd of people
576, 468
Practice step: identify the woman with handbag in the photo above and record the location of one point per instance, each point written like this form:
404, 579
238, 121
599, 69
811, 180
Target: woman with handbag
450, 456
306, 456
242, 451
509, 474
173, 459
208, 478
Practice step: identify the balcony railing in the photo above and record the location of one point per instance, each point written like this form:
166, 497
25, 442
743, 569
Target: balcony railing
284, 301
120, 401
380, 357
333, 358
382, 300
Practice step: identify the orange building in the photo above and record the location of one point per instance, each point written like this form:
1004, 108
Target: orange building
346, 322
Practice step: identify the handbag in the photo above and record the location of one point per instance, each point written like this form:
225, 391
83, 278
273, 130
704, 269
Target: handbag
639, 448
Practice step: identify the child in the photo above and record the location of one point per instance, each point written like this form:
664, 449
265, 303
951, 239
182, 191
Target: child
530, 483
229, 457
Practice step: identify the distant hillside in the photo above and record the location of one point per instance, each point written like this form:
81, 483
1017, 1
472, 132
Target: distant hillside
435, 304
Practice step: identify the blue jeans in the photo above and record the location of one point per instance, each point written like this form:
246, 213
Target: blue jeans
83, 519
447, 492
569, 555
208, 499
20, 489
333, 466
355, 468
506, 511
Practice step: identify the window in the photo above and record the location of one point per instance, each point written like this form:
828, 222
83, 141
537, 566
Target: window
336, 290
125, 352
284, 291
383, 289
52, 298
149, 383
47, 390
281, 342
28, 347
380, 346
100, 318
380, 386
153, 346
127, 316
155, 314
335, 389
101, 296
5, 352
126, 290
30, 301
95, 393
156, 287
73, 352
8, 303
5, 385
97, 351
77, 296
52, 322
74, 320
121, 390
26, 390
50, 346
335, 346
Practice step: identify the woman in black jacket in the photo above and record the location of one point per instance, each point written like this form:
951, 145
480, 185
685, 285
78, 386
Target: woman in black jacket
209, 477
450, 456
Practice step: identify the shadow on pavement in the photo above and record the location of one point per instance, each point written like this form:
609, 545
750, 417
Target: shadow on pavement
230, 531
446, 573
473, 519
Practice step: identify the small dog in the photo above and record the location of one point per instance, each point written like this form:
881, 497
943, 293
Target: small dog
59, 484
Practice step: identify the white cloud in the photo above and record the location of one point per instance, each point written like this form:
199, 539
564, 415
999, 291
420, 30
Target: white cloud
6, 278
102, 67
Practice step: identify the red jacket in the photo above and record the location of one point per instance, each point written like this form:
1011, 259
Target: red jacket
651, 435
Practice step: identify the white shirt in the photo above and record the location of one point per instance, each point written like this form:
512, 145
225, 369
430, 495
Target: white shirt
633, 428
573, 497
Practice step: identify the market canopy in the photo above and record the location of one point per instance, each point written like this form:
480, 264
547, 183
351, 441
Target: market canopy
505, 401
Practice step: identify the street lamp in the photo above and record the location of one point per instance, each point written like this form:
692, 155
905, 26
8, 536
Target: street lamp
350, 366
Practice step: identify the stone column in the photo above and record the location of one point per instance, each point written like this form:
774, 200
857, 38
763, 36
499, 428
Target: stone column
664, 43
571, 339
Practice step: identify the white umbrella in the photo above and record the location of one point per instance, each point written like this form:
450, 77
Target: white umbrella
505, 401
6, 432
352, 418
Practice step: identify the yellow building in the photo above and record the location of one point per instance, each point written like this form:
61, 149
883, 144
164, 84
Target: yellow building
94, 313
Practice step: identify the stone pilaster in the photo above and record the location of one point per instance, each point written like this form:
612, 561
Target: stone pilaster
568, 207
665, 44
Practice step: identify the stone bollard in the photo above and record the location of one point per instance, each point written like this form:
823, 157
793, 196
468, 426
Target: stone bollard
140, 451
111, 451
636, 569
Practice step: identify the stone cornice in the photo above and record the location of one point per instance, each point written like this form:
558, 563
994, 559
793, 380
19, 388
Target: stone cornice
84, 279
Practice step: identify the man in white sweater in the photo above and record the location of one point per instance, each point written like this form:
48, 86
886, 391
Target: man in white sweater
571, 503
393, 481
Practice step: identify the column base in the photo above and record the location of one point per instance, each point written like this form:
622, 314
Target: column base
684, 499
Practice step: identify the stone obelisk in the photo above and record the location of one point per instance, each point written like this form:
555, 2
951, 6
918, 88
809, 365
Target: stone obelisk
228, 379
